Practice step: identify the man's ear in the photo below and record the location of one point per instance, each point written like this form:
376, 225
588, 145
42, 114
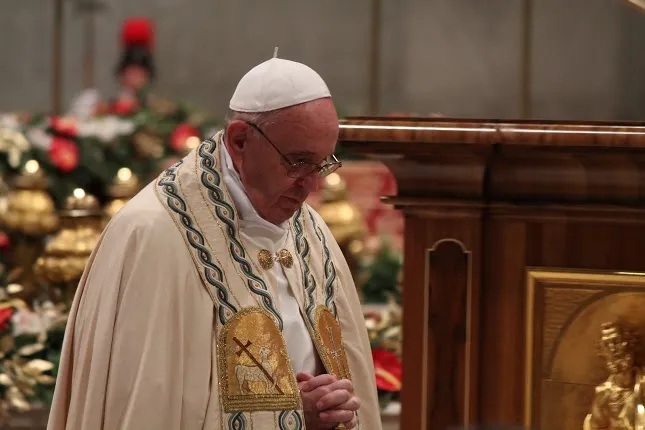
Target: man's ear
236, 133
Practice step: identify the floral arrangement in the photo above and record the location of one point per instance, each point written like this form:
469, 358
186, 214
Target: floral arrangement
30, 344
385, 333
144, 134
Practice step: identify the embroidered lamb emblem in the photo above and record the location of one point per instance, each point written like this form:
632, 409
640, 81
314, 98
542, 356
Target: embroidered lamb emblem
261, 371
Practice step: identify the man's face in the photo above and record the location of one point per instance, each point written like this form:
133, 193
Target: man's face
134, 78
303, 133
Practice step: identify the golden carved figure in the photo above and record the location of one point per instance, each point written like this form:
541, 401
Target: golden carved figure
618, 402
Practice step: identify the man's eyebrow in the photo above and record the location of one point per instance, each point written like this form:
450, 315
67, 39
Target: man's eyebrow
302, 153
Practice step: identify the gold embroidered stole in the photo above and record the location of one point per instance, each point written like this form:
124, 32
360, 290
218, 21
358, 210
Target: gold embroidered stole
257, 385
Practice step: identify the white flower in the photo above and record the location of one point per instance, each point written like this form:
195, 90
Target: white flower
26, 322
106, 128
10, 121
39, 138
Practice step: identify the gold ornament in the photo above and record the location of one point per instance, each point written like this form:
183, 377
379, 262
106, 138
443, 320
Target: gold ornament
29, 210
124, 186
148, 144
285, 258
66, 255
266, 259
344, 220
28, 216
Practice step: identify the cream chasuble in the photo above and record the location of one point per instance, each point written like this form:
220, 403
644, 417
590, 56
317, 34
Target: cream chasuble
178, 323
262, 235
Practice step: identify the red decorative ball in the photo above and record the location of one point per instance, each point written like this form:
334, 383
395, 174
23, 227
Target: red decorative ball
179, 140
64, 154
137, 31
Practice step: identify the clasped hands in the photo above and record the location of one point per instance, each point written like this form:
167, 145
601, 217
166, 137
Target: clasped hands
328, 401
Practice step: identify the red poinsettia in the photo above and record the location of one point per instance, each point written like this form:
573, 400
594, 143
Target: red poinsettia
387, 367
179, 137
63, 126
125, 106
63, 154
5, 242
5, 317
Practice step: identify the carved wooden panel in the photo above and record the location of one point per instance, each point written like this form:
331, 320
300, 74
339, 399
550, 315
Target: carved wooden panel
564, 313
449, 284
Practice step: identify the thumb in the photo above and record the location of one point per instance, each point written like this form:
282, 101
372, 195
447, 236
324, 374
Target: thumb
303, 377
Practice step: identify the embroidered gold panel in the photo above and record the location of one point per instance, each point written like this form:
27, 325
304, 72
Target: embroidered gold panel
329, 339
254, 368
565, 313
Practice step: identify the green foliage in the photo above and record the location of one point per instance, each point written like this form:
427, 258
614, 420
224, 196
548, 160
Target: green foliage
382, 282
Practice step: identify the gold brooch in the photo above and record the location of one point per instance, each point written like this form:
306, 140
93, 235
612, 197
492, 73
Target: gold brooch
283, 256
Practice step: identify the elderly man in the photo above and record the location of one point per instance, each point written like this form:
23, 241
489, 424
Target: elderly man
217, 298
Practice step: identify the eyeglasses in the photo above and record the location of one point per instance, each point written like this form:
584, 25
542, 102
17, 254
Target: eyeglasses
303, 169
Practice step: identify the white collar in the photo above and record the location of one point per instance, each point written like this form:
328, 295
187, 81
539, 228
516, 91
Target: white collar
249, 217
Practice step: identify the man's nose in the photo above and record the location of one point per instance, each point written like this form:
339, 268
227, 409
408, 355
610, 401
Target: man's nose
310, 182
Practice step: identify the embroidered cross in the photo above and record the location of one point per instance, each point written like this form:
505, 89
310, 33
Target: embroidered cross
245, 349
335, 352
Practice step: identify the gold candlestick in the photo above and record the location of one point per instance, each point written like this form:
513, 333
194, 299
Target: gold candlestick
344, 220
124, 186
28, 216
66, 255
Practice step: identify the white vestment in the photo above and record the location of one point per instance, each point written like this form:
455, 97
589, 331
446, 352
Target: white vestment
177, 325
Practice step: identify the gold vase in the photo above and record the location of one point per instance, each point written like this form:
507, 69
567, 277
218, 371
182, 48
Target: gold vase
125, 185
66, 255
29, 210
28, 215
344, 220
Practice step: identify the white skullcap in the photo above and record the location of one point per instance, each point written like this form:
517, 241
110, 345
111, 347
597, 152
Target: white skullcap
276, 84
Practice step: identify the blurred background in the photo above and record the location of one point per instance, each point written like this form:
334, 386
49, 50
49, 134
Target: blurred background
457, 57
79, 136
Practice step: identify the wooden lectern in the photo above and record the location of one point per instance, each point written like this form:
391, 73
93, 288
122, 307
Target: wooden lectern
512, 231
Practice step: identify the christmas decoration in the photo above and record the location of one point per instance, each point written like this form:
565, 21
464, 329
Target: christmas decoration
28, 217
344, 220
66, 255
124, 186
87, 152
30, 341
385, 334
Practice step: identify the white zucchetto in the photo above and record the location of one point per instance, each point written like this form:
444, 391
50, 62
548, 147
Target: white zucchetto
276, 84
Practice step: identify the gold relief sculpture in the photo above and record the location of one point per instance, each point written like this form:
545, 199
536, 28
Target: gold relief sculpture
618, 402
565, 311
